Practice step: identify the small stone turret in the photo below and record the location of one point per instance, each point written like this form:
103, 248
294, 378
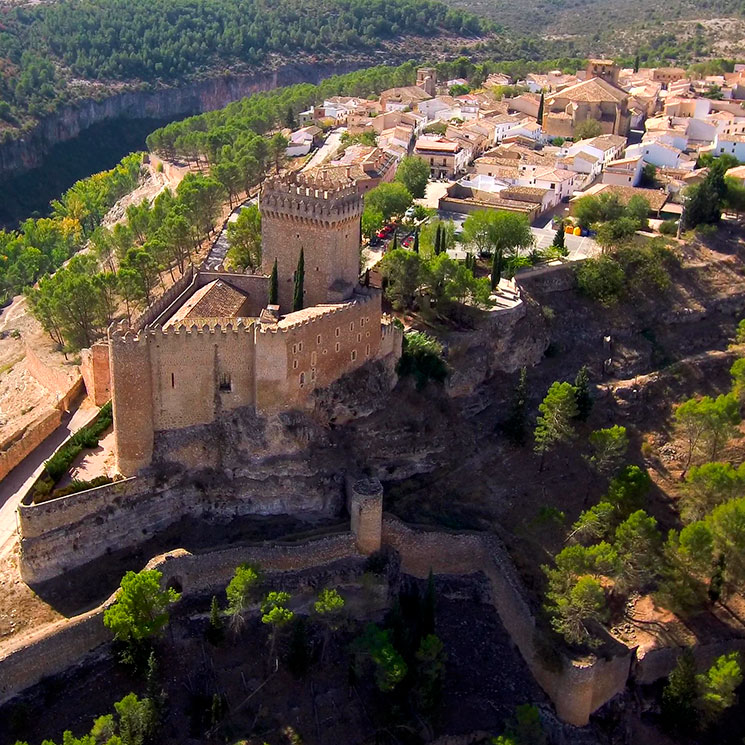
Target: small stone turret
365, 503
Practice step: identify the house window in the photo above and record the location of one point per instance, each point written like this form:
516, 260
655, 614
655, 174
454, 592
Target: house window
318, 339
173, 380
225, 382
302, 379
294, 364
354, 355
338, 346
294, 348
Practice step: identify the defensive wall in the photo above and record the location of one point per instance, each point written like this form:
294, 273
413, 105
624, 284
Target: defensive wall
577, 688
96, 372
192, 373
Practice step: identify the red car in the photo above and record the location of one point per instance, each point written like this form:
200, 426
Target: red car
406, 242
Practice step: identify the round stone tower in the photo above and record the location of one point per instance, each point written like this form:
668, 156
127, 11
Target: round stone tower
365, 505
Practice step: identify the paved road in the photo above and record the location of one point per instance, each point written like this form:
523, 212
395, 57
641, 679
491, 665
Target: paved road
219, 250
15, 484
327, 150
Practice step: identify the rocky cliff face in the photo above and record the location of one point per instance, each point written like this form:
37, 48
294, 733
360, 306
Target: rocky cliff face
167, 103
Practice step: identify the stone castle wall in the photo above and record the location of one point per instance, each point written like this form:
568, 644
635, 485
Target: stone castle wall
577, 689
25, 442
96, 372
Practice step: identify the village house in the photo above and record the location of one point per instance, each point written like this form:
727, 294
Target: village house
368, 166
550, 82
303, 140
668, 75
731, 145
590, 156
525, 103
497, 80
656, 198
402, 99
439, 107
661, 154
446, 158
624, 171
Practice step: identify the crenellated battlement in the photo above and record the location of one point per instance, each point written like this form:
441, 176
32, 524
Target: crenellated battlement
120, 334
311, 198
317, 313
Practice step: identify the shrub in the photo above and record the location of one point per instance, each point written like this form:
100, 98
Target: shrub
601, 279
669, 227
422, 358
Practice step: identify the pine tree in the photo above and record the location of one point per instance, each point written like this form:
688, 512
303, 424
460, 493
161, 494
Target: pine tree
582, 393
496, 268
515, 426
215, 632
274, 286
679, 695
297, 300
539, 118
416, 242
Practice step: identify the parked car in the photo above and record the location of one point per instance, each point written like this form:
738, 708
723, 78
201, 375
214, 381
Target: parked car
407, 242
410, 213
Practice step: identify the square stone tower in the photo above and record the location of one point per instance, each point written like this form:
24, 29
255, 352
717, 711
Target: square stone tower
321, 215
426, 79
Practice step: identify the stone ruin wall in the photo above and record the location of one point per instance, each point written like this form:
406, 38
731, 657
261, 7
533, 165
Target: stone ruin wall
576, 689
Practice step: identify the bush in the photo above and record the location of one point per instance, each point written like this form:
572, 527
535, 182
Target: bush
601, 279
422, 358
669, 227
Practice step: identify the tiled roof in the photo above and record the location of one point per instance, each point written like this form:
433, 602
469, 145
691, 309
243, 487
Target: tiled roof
218, 299
592, 90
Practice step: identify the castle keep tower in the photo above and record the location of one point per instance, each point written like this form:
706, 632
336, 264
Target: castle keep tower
323, 218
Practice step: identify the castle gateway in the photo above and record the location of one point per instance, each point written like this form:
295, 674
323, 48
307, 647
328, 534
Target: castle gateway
212, 345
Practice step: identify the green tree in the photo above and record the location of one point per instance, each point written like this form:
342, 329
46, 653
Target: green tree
372, 221
388, 199
582, 395
578, 610
601, 279
329, 609
638, 544
401, 271
141, 607
244, 239
298, 296
240, 592
375, 644
516, 424
680, 694
215, 628
430, 672
706, 424
277, 150
554, 423
595, 523
559, 241
627, 490
496, 269
422, 357
708, 486
413, 173
587, 130
276, 614
609, 446
137, 722
727, 525
717, 686
737, 371
274, 286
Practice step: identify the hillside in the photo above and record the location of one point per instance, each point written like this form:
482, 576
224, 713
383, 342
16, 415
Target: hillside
51, 54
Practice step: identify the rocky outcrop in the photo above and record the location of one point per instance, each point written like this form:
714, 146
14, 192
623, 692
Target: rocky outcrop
70, 121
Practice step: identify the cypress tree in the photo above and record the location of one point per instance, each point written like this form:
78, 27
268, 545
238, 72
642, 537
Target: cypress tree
297, 300
636, 62
515, 426
496, 268
367, 278
559, 237
582, 393
539, 118
438, 248
274, 286
416, 242
394, 246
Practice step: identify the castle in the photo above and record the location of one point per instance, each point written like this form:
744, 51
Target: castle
212, 344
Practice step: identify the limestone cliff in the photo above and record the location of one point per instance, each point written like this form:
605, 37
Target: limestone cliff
70, 121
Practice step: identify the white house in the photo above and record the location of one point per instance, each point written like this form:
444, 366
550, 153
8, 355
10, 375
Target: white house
730, 144
660, 154
624, 172
441, 107
301, 141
